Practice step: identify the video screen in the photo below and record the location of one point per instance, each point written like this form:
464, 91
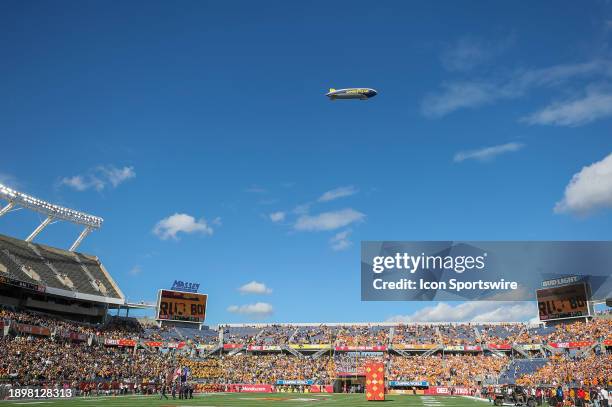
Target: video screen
181, 306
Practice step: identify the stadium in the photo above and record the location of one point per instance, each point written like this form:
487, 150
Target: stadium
60, 345
305, 203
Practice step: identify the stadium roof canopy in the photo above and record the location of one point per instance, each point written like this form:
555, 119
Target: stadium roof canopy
51, 211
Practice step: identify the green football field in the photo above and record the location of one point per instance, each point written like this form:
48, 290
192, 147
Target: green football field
252, 399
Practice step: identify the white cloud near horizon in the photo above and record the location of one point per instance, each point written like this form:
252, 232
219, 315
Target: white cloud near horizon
487, 153
328, 220
594, 105
277, 216
589, 189
255, 287
171, 226
340, 241
462, 94
99, 178
257, 310
475, 311
337, 193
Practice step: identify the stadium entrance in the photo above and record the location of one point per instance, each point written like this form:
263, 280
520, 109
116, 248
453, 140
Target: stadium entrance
349, 384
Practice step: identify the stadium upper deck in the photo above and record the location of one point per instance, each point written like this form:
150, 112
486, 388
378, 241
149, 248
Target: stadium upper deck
57, 272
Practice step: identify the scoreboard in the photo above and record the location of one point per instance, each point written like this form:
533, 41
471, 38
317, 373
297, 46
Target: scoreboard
568, 301
181, 306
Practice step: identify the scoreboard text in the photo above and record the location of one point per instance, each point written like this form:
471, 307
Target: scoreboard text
569, 301
181, 306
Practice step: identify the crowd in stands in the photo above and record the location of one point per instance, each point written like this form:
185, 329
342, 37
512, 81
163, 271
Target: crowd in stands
268, 368
415, 334
360, 335
312, 335
451, 370
592, 370
31, 359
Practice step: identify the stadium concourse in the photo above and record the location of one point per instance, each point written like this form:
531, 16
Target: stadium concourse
56, 333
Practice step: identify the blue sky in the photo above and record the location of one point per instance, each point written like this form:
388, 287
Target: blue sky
493, 121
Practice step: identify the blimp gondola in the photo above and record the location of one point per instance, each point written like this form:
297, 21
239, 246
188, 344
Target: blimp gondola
351, 93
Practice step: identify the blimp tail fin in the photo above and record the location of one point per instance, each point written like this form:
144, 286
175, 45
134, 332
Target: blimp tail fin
332, 89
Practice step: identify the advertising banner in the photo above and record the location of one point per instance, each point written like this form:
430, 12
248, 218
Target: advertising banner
175, 345
203, 346
447, 391
31, 329
295, 382
415, 346
571, 345
361, 348
310, 346
479, 270
22, 284
533, 346
499, 346
315, 388
120, 342
233, 345
399, 383
154, 344
263, 348
250, 388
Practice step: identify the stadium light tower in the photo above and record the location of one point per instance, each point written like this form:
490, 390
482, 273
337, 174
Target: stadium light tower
51, 211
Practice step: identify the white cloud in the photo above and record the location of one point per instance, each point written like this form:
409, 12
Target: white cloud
468, 52
277, 216
255, 288
476, 311
340, 192
180, 223
99, 178
77, 182
117, 176
135, 271
596, 104
329, 220
588, 190
341, 241
487, 153
457, 95
302, 209
258, 310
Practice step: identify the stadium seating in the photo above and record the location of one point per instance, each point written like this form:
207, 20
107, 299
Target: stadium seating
60, 269
520, 367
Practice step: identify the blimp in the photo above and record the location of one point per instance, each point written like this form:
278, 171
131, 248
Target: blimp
351, 93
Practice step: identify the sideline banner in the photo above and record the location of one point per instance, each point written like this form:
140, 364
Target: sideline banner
250, 388
447, 391
480, 270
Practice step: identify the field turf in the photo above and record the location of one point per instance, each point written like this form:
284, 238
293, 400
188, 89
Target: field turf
261, 400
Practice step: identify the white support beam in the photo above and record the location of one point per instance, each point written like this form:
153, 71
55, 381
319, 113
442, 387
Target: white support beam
7, 208
39, 229
80, 239
48, 209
